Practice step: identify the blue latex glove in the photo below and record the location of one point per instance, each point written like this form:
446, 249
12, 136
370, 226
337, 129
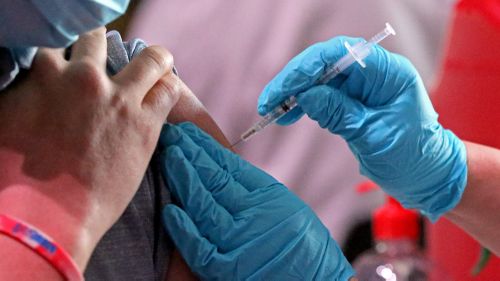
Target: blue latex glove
384, 113
26, 25
237, 222
53, 23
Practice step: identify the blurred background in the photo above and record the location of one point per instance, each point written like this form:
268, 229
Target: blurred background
226, 52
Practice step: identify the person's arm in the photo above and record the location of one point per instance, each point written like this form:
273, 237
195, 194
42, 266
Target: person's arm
189, 108
74, 145
385, 115
478, 210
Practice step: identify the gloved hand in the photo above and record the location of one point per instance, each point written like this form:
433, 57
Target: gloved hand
236, 221
384, 113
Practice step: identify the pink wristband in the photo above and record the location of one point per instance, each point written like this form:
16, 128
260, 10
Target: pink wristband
41, 244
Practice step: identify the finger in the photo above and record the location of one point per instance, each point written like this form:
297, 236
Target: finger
250, 177
91, 47
381, 81
49, 60
211, 219
303, 72
163, 96
333, 110
196, 250
144, 71
222, 186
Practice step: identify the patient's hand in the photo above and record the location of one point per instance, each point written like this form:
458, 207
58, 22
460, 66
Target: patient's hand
75, 143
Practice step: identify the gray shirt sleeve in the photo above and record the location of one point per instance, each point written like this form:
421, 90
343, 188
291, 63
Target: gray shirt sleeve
136, 247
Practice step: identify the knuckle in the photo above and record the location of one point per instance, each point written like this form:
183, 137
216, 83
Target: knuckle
46, 69
91, 36
47, 62
88, 78
158, 58
98, 32
167, 92
407, 66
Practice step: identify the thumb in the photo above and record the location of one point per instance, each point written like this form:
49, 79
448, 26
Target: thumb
196, 250
163, 96
333, 110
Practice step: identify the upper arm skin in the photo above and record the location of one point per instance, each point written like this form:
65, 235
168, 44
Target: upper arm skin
477, 212
189, 108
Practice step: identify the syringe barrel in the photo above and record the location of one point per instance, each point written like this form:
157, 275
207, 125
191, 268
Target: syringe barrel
343, 63
271, 117
337, 68
361, 50
355, 53
279, 111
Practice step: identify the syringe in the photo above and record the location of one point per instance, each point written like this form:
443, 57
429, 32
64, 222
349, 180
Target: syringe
355, 53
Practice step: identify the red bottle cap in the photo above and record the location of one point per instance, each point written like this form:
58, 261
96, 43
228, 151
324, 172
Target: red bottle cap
392, 221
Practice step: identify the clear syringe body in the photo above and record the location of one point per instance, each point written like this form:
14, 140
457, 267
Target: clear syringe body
355, 53
270, 117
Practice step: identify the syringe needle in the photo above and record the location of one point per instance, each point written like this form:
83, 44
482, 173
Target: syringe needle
236, 143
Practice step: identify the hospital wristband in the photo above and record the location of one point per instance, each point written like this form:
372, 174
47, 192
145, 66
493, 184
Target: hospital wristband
39, 242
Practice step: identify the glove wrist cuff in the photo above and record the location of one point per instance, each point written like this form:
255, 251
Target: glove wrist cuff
441, 183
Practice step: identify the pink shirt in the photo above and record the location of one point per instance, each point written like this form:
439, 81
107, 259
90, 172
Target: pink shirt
226, 51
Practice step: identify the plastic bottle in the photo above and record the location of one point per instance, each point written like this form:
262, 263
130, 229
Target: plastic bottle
396, 255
